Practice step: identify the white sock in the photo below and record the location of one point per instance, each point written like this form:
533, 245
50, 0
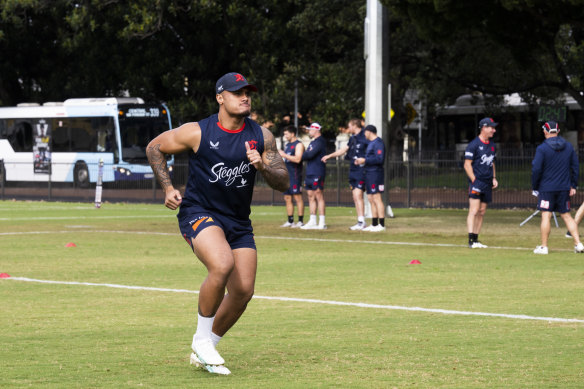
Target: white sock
361, 219
204, 327
215, 338
312, 219
321, 220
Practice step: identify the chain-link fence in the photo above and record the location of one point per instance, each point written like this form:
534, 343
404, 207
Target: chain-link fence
422, 183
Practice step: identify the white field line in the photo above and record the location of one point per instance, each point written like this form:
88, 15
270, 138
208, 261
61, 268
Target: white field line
269, 237
92, 217
313, 301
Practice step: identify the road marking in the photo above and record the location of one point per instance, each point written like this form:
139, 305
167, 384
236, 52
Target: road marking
312, 301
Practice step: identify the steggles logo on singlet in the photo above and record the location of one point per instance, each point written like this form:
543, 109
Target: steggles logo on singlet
229, 175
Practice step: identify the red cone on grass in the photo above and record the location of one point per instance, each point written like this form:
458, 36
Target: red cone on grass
415, 262
70, 244
4, 275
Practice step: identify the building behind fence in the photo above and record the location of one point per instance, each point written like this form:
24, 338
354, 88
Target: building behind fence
421, 183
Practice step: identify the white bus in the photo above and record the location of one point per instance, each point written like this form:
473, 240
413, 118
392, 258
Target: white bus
64, 142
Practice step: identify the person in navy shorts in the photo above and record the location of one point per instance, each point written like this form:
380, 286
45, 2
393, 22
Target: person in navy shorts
554, 179
225, 152
293, 158
479, 166
314, 181
374, 178
354, 149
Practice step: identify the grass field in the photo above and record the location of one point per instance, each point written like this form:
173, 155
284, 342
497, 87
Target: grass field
418, 326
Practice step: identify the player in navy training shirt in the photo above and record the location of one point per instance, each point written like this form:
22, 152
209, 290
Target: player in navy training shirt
293, 157
374, 178
354, 149
479, 166
315, 174
225, 152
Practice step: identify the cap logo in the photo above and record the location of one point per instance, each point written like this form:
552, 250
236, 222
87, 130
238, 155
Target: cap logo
239, 77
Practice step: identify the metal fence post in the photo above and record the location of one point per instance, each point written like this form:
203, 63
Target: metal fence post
338, 182
408, 183
50, 189
2, 176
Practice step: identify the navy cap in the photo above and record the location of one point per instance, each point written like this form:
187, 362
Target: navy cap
371, 128
232, 82
487, 122
551, 127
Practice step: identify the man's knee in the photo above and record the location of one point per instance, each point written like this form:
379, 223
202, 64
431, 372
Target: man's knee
221, 266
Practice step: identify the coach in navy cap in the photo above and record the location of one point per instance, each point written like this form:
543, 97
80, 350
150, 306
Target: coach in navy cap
488, 122
233, 82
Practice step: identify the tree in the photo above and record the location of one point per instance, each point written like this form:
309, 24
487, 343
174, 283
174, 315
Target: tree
535, 48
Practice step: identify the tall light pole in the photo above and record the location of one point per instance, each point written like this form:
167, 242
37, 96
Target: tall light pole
376, 54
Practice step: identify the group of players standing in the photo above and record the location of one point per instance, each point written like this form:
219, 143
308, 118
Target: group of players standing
365, 150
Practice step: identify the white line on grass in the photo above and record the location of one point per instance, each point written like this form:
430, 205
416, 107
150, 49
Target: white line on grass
84, 217
271, 237
313, 301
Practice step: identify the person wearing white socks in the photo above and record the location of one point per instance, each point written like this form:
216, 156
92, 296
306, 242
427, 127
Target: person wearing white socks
215, 208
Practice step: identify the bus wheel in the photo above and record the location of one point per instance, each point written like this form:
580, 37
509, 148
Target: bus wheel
81, 175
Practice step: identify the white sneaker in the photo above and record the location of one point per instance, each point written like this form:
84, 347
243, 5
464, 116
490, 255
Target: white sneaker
206, 352
297, 225
359, 226
378, 228
320, 227
216, 369
579, 248
287, 224
541, 250
478, 245
309, 226
369, 228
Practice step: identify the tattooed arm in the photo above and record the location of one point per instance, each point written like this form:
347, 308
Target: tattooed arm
270, 163
183, 138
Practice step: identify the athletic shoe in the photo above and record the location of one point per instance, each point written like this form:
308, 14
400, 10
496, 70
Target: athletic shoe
478, 245
357, 227
309, 226
378, 228
320, 227
541, 250
287, 224
370, 228
297, 225
568, 235
579, 248
206, 352
216, 369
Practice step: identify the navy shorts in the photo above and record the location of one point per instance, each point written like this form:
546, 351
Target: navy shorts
357, 178
314, 182
558, 201
193, 220
374, 182
357, 183
481, 190
294, 188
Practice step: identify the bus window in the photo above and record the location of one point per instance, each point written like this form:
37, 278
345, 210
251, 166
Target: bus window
61, 137
20, 136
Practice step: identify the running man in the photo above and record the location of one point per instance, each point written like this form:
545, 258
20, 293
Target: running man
315, 174
479, 166
354, 149
225, 152
374, 178
293, 158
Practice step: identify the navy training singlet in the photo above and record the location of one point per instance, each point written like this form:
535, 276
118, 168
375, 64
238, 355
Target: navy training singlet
294, 169
221, 178
482, 156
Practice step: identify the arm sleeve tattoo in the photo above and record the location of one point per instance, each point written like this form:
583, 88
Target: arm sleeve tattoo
157, 161
275, 172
